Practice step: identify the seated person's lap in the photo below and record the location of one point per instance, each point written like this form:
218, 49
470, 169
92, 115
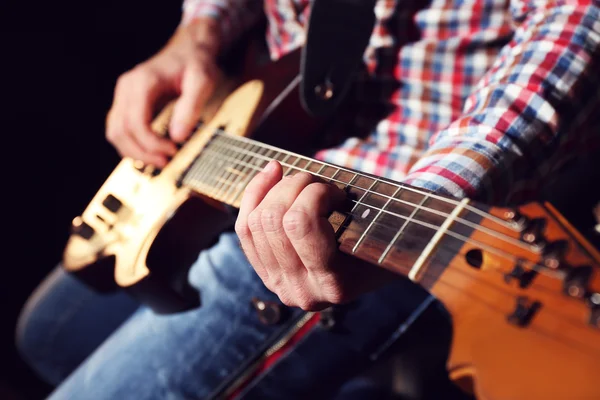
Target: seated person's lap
190, 354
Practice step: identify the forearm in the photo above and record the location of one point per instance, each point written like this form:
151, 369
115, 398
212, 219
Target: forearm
530, 112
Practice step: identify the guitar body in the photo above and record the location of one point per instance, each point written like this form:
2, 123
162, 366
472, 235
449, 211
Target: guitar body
523, 296
499, 359
142, 231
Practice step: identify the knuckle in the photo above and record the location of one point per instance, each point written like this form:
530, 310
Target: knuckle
272, 217
297, 223
241, 228
306, 303
336, 296
332, 290
123, 80
145, 75
254, 221
303, 177
285, 299
318, 190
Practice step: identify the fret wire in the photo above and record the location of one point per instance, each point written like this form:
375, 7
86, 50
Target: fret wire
334, 175
208, 174
195, 168
465, 239
400, 232
219, 192
203, 175
225, 150
470, 224
199, 172
409, 188
555, 274
419, 264
286, 158
242, 177
291, 167
247, 180
366, 231
351, 181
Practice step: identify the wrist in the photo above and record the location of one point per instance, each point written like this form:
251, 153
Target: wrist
205, 35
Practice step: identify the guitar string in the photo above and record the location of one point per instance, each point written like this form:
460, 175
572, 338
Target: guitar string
221, 132
453, 251
431, 226
478, 227
537, 267
485, 230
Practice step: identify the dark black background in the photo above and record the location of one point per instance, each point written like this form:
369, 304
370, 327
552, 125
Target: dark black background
58, 65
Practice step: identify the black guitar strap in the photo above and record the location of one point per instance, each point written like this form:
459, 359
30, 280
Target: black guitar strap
337, 36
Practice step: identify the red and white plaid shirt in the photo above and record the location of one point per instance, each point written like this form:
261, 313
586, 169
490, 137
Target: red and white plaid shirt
488, 97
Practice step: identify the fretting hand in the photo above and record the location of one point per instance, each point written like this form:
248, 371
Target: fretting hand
284, 232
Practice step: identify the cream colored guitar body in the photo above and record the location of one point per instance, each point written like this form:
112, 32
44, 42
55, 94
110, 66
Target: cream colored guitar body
124, 218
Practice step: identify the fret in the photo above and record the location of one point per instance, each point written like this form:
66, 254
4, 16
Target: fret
365, 194
250, 164
307, 166
373, 221
251, 171
205, 161
244, 184
223, 180
302, 164
225, 154
401, 230
215, 159
250, 168
349, 183
292, 166
337, 171
418, 265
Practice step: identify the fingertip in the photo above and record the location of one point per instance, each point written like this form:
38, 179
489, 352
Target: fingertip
178, 131
273, 168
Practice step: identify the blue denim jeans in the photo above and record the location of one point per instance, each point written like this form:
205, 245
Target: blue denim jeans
109, 347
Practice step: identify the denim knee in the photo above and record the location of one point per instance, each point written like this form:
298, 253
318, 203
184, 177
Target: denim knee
27, 336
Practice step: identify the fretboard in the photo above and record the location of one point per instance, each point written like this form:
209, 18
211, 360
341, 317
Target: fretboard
386, 223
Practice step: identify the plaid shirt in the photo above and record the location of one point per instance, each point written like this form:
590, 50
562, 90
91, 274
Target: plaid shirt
488, 97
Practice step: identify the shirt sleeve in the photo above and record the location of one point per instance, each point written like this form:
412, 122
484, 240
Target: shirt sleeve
234, 16
538, 106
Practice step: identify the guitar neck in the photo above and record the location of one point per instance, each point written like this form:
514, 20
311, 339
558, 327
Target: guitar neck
386, 223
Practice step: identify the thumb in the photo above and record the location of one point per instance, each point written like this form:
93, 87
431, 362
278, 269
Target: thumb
197, 86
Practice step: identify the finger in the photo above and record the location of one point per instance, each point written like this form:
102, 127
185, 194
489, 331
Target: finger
273, 208
128, 147
253, 195
196, 88
313, 239
138, 118
307, 227
126, 144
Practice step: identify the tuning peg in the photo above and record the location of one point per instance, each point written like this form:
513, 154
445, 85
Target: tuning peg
533, 232
518, 220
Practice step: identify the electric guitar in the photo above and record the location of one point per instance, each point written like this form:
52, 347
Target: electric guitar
521, 285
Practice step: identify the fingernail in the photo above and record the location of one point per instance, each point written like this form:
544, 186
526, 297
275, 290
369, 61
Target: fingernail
270, 167
177, 132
